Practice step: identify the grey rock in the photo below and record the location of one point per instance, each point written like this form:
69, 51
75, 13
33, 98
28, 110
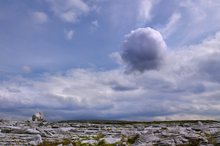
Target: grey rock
111, 140
38, 116
200, 123
36, 140
89, 141
31, 131
2, 135
167, 142
145, 138
11, 129
18, 130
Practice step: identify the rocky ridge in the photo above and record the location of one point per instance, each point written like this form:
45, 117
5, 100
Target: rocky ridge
69, 133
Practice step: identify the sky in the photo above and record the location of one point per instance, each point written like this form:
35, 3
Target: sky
110, 59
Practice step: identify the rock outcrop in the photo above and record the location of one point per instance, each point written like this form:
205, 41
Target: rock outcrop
38, 116
21, 133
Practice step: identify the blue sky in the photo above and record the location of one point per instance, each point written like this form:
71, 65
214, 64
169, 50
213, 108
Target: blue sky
108, 59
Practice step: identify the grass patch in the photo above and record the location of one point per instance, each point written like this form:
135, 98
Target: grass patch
132, 139
54, 143
98, 136
78, 143
84, 137
103, 143
211, 139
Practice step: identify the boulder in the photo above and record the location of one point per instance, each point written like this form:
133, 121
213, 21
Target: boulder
111, 140
36, 140
38, 116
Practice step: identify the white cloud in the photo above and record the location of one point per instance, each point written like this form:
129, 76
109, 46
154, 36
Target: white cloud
69, 34
69, 10
116, 57
128, 13
40, 17
144, 10
26, 69
199, 19
94, 25
196, 10
170, 27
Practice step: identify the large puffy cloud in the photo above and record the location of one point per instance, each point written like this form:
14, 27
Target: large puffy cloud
68, 10
143, 49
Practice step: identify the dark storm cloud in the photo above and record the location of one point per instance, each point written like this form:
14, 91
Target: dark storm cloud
143, 49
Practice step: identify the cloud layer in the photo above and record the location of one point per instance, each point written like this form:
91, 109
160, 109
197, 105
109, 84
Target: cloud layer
143, 49
184, 88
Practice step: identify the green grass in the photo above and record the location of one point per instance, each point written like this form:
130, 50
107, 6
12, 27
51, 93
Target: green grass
98, 136
54, 143
103, 143
132, 139
211, 139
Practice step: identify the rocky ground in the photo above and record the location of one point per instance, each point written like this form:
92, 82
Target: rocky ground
188, 133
